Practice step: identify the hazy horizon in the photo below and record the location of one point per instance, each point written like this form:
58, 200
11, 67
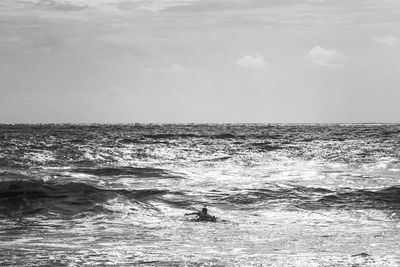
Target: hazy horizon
192, 61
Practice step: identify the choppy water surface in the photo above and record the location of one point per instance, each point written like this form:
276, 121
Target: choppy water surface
285, 195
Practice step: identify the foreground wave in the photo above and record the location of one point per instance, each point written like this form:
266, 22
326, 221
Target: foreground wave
18, 198
22, 198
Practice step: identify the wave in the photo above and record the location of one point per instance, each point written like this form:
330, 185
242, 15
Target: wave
127, 171
189, 135
312, 198
157, 136
171, 136
224, 136
386, 198
130, 141
214, 159
20, 198
265, 146
31, 197
12, 162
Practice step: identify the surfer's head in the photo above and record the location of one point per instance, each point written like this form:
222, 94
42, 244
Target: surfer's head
204, 210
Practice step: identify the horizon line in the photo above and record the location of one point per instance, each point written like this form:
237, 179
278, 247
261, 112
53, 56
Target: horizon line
188, 123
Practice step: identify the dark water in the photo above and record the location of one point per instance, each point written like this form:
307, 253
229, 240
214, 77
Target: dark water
285, 195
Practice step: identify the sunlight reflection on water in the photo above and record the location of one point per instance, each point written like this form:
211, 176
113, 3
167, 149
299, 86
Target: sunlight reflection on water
283, 196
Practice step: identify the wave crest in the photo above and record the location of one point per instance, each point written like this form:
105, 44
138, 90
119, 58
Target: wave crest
127, 171
312, 198
19, 198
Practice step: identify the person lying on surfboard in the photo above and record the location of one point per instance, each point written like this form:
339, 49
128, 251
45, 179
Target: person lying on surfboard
203, 215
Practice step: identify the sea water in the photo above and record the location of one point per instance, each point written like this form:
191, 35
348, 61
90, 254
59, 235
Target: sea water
284, 195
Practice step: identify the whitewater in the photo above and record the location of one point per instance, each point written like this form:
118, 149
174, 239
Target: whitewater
283, 194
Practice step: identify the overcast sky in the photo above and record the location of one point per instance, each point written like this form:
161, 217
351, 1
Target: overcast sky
199, 61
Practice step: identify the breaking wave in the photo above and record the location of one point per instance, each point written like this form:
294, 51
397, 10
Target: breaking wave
312, 198
127, 171
20, 198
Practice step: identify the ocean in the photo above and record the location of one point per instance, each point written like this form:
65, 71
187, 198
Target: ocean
283, 194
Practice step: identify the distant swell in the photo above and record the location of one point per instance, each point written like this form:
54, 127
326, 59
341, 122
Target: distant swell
189, 135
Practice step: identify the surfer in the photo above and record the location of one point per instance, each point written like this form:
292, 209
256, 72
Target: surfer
203, 215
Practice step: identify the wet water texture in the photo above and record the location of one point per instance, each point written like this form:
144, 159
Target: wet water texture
284, 195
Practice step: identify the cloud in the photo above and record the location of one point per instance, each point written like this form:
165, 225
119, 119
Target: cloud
155, 6
57, 5
255, 62
324, 57
174, 68
389, 40
171, 69
108, 5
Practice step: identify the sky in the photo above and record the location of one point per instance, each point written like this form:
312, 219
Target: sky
199, 61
